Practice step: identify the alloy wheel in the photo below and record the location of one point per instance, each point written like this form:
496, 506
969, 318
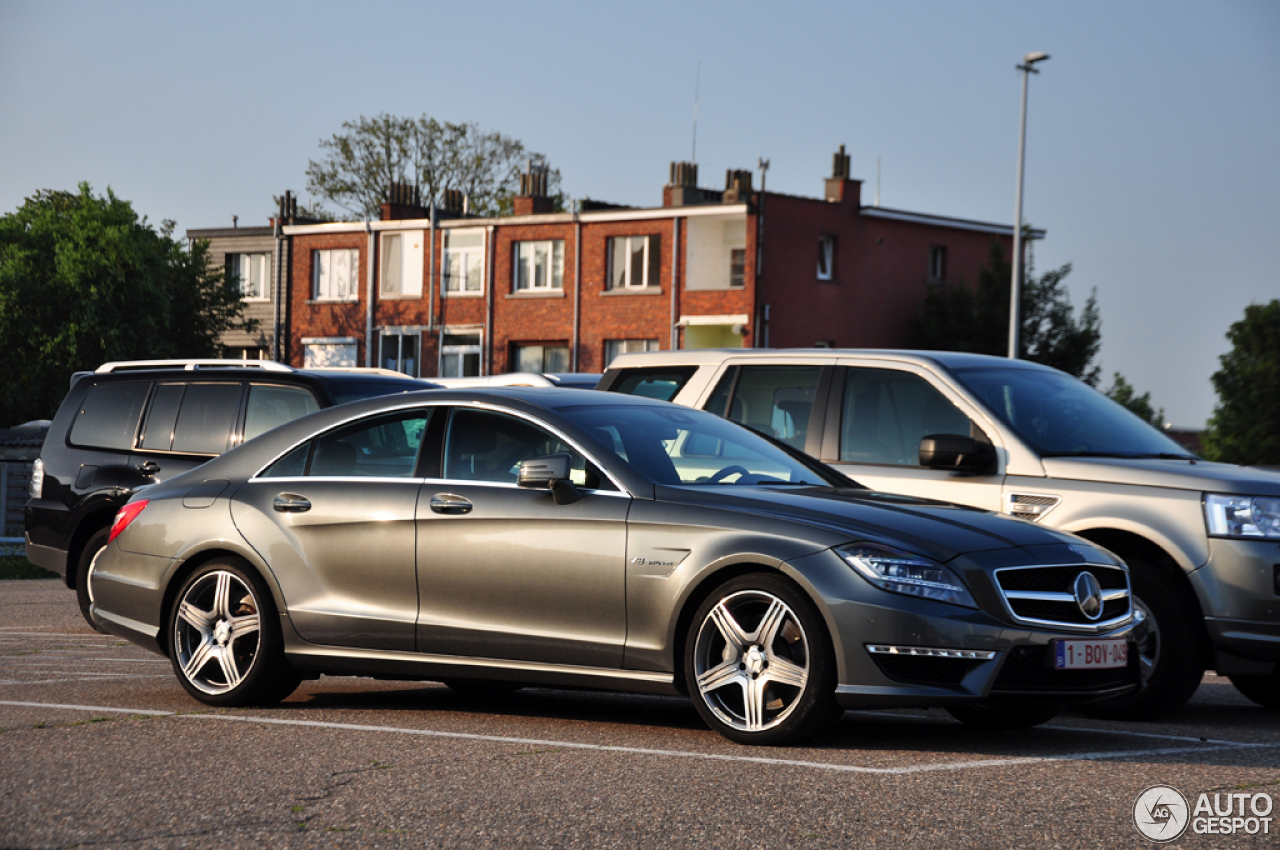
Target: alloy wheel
217, 632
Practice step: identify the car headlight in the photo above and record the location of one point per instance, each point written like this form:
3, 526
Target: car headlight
905, 573
1243, 516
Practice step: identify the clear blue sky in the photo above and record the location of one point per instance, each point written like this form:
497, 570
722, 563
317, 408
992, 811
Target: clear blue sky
1153, 140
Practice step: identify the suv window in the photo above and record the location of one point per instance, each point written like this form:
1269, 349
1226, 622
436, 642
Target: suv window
108, 417
886, 414
206, 419
165, 402
271, 406
660, 383
774, 400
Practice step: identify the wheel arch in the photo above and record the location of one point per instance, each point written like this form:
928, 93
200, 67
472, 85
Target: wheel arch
194, 561
90, 524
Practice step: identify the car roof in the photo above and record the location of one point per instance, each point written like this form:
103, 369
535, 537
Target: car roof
715, 356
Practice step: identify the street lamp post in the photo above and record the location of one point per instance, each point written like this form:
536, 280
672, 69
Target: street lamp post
1015, 298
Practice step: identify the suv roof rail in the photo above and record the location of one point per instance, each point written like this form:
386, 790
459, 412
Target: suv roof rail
192, 365
362, 370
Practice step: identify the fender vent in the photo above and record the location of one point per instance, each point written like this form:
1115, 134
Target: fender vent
1031, 506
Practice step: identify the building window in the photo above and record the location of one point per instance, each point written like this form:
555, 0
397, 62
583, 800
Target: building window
335, 275
402, 264
539, 266
540, 358
614, 347
463, 262
634, 262
398, 351
338, 352
737, 267
937, 263
826, 257
460, 355
253, 271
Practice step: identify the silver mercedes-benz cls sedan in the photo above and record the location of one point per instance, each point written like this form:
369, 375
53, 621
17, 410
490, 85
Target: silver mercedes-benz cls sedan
510, 537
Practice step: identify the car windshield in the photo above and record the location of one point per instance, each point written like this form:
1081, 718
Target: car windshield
1058, 415
673, 445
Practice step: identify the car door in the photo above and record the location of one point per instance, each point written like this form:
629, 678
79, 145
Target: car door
187, 423
877, 413
335, 519
504, 572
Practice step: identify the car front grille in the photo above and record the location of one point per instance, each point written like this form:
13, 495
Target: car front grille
1030, 668
1047, 596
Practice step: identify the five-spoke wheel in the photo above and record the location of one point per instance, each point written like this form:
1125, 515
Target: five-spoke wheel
224, 643
759, 664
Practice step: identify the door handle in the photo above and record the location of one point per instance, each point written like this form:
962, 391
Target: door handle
149, 467
447, 503
291, 503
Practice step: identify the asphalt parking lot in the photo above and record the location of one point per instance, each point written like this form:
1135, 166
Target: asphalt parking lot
100, 747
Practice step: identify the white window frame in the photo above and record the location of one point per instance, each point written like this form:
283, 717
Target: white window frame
401, 334
524, 277
312, 346
614, 347
627, 283
456, 287
322, 266
401, 264
243, 265
461, 351
826, 257
743, 281
516, 347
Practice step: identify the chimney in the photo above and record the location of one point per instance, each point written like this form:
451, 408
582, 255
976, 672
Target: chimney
737, 186
403, 201
839, 189
682, 187
533, 198
452, 203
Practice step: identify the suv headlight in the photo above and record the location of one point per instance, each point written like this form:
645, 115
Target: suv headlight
36, 488
1243, 516
905, 573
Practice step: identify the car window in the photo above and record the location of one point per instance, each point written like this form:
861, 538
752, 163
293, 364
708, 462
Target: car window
206, 418
774, 400
271, 406
109, 414
345, 391
383, 447
660, 383
484, 446
157, 434
886, 414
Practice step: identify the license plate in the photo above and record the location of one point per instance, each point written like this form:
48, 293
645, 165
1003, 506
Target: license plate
1089, 654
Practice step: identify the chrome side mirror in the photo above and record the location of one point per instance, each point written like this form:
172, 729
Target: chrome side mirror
549, 472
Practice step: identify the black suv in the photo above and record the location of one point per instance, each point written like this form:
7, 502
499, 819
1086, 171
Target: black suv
131, 424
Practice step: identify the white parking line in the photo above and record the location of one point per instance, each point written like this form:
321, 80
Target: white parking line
574, 745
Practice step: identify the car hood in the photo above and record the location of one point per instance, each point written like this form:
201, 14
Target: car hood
939, 530
1166, 472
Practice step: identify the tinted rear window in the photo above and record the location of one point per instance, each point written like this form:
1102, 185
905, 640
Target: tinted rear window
108, 417
345, 391
661, 383
207, 417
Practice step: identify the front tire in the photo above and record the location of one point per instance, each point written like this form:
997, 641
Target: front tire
84, 594
1173, 656
759, 664
224, 637
1264, 690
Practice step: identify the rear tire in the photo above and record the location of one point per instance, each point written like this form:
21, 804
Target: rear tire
1004, 716
759, 664
1264, 690
88, 555
1173, 656
224, 638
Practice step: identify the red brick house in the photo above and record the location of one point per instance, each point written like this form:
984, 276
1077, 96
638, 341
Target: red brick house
556, 292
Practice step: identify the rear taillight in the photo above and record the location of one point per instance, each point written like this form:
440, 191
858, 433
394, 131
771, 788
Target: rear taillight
124, 516
37, 479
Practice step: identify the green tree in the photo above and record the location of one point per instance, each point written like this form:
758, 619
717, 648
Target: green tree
1245, 426
1122, 392
84, 280
362, 161
957, 317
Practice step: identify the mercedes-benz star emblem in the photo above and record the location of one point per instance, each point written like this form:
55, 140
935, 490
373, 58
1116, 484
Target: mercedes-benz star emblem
1089, 595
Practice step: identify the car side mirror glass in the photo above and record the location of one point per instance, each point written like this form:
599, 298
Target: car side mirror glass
540, 472
955, 452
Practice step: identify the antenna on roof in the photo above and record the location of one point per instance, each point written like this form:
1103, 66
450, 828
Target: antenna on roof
697, 80
877, 181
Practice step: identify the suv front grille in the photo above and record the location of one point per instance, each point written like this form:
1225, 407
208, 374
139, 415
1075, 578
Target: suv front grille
1047, 596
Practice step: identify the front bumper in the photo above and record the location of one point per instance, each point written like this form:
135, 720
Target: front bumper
1238, 591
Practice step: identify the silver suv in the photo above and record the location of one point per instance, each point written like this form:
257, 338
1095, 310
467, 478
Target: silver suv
1202, 539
